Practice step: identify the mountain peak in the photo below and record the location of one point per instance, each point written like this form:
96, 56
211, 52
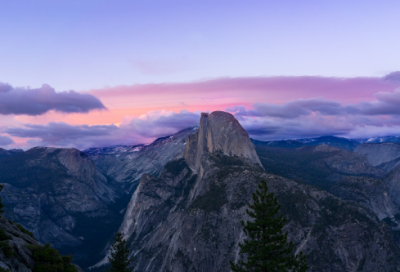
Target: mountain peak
219, 132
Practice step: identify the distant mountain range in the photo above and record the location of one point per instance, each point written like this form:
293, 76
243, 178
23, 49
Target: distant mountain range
344, 143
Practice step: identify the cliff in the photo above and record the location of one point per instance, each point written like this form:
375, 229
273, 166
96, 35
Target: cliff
219, 132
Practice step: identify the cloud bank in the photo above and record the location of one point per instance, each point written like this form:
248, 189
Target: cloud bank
385, 104
133, 130
39, 101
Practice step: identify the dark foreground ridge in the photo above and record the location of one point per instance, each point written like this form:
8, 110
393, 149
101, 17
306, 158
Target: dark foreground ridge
19, 251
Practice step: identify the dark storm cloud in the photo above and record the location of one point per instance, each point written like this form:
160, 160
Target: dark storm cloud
41, 100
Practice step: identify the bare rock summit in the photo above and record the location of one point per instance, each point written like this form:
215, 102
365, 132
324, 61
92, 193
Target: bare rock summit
219, 132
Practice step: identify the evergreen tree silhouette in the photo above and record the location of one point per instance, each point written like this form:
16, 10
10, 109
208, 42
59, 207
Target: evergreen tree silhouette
266, 247
119, 259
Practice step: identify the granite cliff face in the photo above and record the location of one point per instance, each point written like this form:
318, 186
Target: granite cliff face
393, 182
127, 164
188, 218
382, 155
219, 132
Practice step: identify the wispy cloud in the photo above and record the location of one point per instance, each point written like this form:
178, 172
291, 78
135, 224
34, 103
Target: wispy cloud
41, 100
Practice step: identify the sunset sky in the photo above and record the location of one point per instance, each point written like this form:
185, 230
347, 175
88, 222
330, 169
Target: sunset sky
98, 73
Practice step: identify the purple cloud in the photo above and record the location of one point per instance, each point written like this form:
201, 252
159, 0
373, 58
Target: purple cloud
386, 104
4, 140
394, 77
135, 131
39, 101
62, 134
161, 123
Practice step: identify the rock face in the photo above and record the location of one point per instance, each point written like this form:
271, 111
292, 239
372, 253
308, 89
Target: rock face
21, 259
58, 194
127, 164
371, 193
219, 132
393, 182
315, 165
381, 153
188, 218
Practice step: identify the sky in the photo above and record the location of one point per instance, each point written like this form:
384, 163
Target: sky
99, 72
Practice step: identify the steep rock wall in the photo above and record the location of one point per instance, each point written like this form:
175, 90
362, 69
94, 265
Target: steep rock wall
219, 132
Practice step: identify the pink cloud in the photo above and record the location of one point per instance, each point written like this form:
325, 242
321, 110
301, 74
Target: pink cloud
254, 89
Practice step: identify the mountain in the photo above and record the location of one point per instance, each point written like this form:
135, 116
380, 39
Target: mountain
61, 197
315, 165
385, 156
339, 142
188, 218
127, 164
385, 139
7, 153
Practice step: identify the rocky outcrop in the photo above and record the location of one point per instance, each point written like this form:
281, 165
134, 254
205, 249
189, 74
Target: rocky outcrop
15, 252
379, 153
17, 257
219, 132
189, 217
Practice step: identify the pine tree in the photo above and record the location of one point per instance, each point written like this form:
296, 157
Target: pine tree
119, 259
266, 247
